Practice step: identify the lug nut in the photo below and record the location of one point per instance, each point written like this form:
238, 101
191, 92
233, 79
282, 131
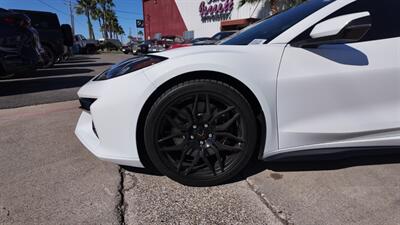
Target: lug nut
205, 125
194, 126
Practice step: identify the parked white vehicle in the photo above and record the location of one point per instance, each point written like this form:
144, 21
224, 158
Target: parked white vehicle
323, 76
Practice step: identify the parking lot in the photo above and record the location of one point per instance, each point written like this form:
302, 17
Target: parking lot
48, 177
56, 84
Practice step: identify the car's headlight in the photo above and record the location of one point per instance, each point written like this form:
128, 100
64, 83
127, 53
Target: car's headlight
129, 66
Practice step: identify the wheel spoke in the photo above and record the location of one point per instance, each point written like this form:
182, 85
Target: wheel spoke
194, 109
227, 148
207, 105
219, 159
218, 114
182, 114
206, 161
174, 148
229, 136
189, 113
194, 162
228, 123
173, 122
176, 134
181, 159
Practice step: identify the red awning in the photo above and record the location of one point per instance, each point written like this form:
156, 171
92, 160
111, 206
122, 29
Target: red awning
237, 24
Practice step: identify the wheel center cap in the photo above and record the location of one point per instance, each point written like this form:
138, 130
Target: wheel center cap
202, 134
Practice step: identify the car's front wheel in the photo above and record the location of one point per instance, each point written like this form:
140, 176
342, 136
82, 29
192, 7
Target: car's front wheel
200, 133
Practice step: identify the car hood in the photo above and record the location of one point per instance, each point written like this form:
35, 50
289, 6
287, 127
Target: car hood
193, 50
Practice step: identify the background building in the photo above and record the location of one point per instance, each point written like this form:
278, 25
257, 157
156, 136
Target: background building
203, 17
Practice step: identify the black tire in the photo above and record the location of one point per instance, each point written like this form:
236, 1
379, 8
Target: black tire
91, 49
204, 145
50, 57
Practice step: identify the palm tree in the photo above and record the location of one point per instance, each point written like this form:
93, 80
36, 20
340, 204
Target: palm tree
97, 14
85, 7
119, 31
106, 7
140, 33
112, 23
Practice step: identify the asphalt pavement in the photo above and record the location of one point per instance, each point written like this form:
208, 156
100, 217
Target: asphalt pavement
56, 84
48, 177
360, 190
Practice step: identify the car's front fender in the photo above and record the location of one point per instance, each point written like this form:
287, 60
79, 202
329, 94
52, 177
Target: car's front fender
255, 66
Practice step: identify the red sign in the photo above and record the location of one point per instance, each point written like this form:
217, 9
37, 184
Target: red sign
215, 7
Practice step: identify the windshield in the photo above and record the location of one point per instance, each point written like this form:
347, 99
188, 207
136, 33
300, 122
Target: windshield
222, 35
269, 28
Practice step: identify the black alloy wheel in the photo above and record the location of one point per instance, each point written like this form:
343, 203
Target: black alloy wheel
200, 133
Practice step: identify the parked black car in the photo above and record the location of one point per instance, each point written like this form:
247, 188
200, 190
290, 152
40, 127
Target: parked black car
20, 48
216, 38
145, 47
52, 36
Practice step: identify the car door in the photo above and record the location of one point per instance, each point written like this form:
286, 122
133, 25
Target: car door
343, 95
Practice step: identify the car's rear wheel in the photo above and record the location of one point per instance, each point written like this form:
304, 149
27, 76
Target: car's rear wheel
200, 133
50, 57
91, 49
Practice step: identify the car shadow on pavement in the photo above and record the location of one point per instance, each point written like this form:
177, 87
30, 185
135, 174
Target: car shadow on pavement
338, 161
78, 58
76, 62
148, 170
82, 65
56, 72
334, 161
29, 86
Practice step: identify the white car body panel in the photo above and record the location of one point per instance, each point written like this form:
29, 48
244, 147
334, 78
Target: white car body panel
358, 95
321, 98
115, 114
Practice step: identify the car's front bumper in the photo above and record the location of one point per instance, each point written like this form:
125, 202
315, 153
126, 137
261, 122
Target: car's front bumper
108, 129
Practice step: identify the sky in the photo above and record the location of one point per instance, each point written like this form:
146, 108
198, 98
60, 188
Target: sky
127, 11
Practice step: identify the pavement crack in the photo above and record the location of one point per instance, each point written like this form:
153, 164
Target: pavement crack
121, 207
7, 211
278, 213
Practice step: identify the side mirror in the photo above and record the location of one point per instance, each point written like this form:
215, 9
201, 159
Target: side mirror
342, 29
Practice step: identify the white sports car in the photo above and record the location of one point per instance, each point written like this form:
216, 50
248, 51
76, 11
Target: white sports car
324, 75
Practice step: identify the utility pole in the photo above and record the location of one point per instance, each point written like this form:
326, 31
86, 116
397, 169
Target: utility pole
71, 14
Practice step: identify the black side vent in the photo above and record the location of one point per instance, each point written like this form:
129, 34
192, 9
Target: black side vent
94, 130
86, 103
